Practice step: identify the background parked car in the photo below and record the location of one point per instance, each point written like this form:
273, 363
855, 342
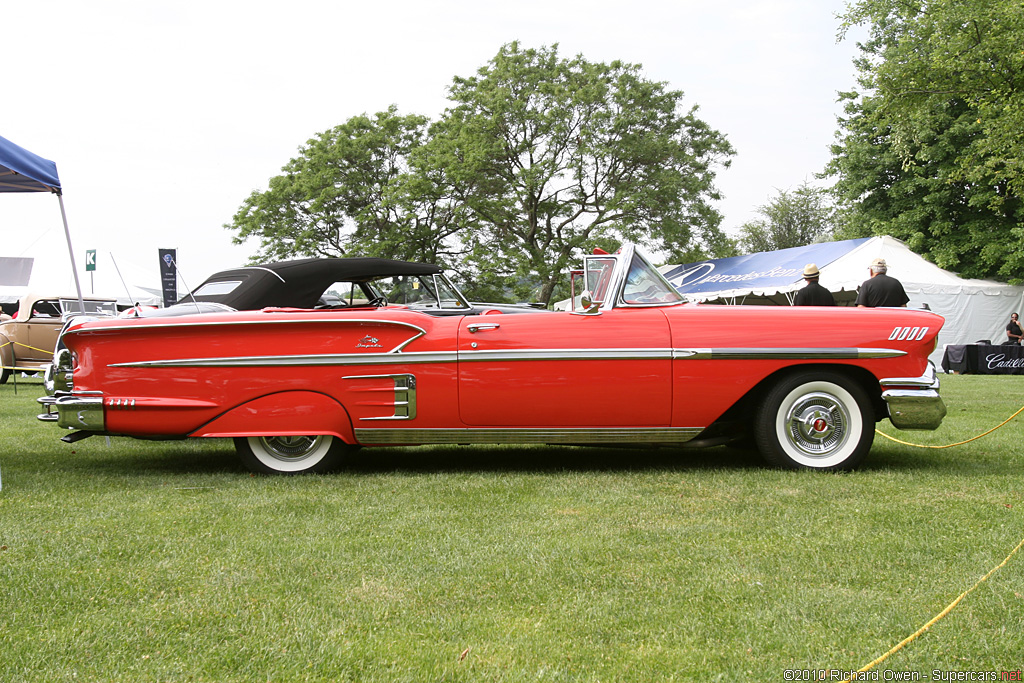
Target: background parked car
27, 339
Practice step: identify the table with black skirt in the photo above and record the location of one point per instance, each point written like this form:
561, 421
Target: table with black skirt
983, 359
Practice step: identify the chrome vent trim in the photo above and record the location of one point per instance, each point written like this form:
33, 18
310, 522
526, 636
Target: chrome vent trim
402, 391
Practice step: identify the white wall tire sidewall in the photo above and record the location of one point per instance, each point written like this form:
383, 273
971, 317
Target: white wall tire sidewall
854, 433
290, 466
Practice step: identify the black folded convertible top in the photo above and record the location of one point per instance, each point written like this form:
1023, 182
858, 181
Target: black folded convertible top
298, 283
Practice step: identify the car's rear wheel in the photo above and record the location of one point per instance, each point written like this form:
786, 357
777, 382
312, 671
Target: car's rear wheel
815, 420
290, 454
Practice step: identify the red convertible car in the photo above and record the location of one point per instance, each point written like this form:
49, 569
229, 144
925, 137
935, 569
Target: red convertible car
631, 364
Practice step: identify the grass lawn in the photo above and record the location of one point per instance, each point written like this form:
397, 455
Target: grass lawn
166, 561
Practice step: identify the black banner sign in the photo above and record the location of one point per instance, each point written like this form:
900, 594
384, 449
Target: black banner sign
169, 275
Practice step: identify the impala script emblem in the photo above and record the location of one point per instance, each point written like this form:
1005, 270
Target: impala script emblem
368, 342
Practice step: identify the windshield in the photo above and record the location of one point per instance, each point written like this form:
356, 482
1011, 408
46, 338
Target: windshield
91, 307
645, 285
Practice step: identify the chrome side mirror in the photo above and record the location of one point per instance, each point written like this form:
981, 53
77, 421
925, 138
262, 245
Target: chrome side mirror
587, 304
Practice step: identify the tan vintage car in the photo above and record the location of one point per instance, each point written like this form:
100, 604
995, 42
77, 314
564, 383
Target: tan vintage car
27, 339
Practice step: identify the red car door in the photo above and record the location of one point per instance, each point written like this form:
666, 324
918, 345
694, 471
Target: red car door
566, 370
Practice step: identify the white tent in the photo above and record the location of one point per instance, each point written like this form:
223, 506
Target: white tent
973, 309
129, 283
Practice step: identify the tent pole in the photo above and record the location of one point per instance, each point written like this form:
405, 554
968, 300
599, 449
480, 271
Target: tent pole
71, 253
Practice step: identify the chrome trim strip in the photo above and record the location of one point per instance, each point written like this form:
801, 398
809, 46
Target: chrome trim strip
476, 355
232, 323
388, 358
510, 355
786, 353
583, 435
266, 270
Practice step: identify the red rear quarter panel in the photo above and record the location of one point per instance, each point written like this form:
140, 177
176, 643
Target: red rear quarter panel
181, 375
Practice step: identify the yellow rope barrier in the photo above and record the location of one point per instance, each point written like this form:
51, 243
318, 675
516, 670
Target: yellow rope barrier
18, 367
950, 445
960, 597
937, 617
25, 346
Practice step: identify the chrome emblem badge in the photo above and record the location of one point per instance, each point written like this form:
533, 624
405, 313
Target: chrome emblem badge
908, 333
368, 342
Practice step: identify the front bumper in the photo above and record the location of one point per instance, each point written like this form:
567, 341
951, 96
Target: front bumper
914, 402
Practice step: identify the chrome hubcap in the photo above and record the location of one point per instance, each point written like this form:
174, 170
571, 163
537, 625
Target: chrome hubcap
817, 424
290, 448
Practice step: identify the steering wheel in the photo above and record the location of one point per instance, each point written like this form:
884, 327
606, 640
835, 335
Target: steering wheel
378, 301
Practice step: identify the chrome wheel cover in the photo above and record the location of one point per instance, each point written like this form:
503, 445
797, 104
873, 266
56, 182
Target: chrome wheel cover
290, 449
817, 424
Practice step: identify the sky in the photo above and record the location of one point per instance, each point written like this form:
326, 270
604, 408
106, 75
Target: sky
162, 117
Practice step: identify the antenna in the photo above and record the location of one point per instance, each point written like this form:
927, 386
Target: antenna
190, 294
123, 284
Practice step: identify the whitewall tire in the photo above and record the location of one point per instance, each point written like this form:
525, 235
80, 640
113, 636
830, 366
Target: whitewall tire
815, 420
290, 454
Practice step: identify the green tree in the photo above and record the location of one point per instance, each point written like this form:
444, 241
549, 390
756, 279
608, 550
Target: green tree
929, 147
349, 193
793, 218
537, 159
550, 156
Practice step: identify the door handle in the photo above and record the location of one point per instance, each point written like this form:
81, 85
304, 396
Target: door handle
476, 327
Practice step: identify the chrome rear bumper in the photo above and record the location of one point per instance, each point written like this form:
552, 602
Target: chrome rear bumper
74, 411
914, 402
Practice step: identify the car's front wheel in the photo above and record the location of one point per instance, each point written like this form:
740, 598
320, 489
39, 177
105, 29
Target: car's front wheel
815, 420
290, 454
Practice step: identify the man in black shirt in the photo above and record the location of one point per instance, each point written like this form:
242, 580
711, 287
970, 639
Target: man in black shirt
880, 289
1014, 332
813, 294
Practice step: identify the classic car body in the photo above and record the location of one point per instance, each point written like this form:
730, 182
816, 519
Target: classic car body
27, 340
634, 365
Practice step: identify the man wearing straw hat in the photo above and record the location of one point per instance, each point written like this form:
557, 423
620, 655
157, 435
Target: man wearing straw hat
813, 294
880, 289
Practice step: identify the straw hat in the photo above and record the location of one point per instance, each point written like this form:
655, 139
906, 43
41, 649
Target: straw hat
878, 263
810, 270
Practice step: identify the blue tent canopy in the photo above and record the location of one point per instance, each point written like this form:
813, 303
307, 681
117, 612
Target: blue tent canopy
766, 271
23, 171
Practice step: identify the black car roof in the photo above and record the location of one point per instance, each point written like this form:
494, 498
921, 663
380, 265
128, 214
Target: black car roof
299, 283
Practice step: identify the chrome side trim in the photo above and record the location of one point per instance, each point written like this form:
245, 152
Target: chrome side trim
265, 270
310, 360
476, 355
786, 353
509, 355
528, 436
403, 396
246, 323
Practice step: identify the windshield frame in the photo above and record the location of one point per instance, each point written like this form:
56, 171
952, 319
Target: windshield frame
614, 296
